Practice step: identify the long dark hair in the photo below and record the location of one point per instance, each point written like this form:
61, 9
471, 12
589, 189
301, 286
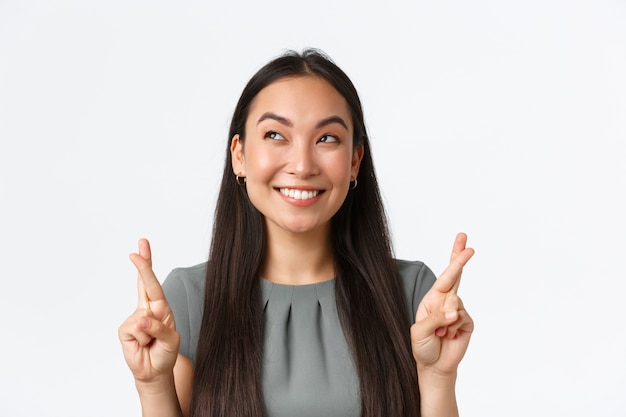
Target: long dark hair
227, 374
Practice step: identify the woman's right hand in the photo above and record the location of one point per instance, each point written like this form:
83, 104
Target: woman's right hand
149, 338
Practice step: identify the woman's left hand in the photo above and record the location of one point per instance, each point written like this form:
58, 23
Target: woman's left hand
442, 328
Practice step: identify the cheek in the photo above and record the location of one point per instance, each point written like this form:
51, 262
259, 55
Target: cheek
341, 167
259, 163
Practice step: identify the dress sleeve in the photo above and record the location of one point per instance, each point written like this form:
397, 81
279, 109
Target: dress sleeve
184, 291
417, 279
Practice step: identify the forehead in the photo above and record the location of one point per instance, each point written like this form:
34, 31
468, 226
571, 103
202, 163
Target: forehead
300, 98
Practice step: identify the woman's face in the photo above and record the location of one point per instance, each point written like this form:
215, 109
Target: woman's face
298, 157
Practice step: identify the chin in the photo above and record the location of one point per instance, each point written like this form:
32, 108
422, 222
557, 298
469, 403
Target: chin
301, 227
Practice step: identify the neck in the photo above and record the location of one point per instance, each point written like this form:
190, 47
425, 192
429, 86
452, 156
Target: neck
298, 258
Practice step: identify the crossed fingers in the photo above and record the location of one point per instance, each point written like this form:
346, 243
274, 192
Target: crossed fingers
450, 279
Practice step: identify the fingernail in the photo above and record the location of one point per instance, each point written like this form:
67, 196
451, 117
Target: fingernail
450, 315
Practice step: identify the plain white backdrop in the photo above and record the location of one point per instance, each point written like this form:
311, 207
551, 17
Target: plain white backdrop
503, 119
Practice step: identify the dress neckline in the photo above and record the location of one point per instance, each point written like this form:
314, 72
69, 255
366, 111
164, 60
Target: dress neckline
312, 284
288, 293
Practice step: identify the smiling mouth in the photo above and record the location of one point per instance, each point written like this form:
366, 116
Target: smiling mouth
299, 194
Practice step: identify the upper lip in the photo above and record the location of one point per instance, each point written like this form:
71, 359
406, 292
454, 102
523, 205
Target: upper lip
299, 187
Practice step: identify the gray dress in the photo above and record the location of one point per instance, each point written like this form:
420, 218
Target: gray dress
307, 367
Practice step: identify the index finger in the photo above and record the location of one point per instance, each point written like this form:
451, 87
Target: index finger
460, 241
146, 253
148, 281
450, 279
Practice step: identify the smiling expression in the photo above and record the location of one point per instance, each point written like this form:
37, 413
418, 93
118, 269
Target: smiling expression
298, 155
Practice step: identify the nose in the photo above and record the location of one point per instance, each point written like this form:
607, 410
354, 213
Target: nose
303, 161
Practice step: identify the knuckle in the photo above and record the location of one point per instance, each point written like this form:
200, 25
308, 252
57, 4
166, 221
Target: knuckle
454, 301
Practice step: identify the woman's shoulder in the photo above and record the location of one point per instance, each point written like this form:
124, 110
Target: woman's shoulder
414, 270
184, 289
416, 279
408, 268
193, 275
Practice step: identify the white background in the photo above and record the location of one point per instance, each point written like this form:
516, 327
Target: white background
506, 120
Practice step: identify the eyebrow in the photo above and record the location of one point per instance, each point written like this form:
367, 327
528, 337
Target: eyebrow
330, 120
283, 120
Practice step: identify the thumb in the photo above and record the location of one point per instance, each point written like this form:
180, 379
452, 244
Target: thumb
434, 323
167, 335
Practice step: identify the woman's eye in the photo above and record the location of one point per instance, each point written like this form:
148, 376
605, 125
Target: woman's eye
274, 135
329, 139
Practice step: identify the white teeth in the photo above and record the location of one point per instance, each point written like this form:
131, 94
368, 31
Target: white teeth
298, 194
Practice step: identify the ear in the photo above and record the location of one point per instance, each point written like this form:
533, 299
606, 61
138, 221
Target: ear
357, 156
237, 157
